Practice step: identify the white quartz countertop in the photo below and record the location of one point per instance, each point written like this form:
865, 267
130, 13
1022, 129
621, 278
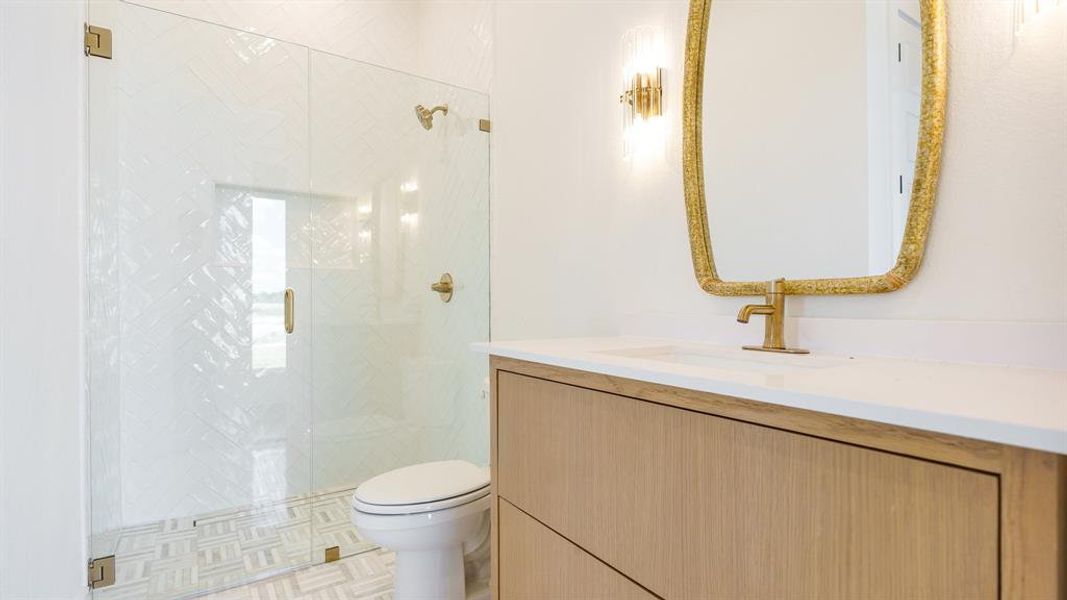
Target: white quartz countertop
1009, 405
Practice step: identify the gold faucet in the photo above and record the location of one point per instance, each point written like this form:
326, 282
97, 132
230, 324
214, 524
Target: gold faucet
774, 310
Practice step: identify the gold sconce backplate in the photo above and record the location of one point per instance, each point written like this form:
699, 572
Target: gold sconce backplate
644, 98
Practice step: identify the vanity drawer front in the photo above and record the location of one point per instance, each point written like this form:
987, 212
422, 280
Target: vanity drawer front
539, 563
692, 505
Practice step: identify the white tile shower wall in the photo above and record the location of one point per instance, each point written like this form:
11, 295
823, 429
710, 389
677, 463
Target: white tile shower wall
383, 33
394, 207
446, 40
201, 427
455, 42
384, 368
363, 141
587, 244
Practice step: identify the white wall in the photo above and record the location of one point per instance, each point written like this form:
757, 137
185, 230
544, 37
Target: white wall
42, 501
559, 182
585, 245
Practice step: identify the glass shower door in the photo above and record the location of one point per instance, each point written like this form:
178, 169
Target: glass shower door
198, 223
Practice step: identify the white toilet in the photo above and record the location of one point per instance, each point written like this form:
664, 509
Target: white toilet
433, 516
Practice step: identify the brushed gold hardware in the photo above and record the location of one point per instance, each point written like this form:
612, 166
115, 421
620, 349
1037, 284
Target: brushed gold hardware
425, 115
644, 97
484, 125
774, 327
97, 41
102, 572
290, 310
333, 553
927, 166
444, 287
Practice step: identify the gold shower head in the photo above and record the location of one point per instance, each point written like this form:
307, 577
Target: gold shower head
425, 115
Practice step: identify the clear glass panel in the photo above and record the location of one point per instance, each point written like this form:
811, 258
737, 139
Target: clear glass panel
394, 206
198, 221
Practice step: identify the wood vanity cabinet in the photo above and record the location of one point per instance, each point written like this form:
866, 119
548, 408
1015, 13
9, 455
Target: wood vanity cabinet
612, 488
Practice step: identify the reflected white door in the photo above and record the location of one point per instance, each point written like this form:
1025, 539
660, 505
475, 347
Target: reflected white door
905, 95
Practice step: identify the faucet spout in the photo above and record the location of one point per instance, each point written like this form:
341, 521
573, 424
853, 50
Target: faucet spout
774, 329
754, 309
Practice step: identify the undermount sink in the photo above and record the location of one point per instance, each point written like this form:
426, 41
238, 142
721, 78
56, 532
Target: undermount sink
725, 358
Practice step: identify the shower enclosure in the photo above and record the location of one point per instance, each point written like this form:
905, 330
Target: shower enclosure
265, 221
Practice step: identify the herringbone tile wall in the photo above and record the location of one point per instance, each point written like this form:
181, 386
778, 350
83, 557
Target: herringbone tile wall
195, 131
446, 40
395, 382
189, 123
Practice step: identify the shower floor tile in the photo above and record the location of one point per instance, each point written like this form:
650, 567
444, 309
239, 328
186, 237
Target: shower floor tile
367, 576
183, 557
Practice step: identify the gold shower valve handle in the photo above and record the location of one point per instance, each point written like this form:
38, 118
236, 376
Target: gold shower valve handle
444, 287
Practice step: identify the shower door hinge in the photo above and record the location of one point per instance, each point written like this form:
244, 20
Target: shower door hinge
484, 125
102, 572
333, 553
97, 41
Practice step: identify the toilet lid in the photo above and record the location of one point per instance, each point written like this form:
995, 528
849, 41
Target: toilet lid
455, 502
423, 484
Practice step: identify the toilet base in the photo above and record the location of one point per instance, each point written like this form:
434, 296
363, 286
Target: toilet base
430, 574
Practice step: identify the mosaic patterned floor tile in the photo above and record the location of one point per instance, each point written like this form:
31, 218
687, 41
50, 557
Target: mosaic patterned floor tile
367, 576
177, 558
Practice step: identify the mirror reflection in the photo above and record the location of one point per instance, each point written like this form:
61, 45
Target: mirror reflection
810, 129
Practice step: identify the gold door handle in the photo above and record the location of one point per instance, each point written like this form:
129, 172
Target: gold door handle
290, 314
444, 287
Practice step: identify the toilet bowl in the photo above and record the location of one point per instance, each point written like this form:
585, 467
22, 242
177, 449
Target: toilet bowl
432, 516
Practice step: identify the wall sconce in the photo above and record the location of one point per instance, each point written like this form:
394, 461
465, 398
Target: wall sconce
644, 98
644, 130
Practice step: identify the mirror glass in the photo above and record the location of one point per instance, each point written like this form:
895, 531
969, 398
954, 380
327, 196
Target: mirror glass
810, 130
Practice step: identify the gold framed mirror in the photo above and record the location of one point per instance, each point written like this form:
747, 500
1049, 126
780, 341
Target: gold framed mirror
893, 261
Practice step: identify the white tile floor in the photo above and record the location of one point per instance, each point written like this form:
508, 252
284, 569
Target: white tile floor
179, 558
367, 576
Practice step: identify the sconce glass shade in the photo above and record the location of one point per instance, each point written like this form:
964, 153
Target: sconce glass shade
642, 96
